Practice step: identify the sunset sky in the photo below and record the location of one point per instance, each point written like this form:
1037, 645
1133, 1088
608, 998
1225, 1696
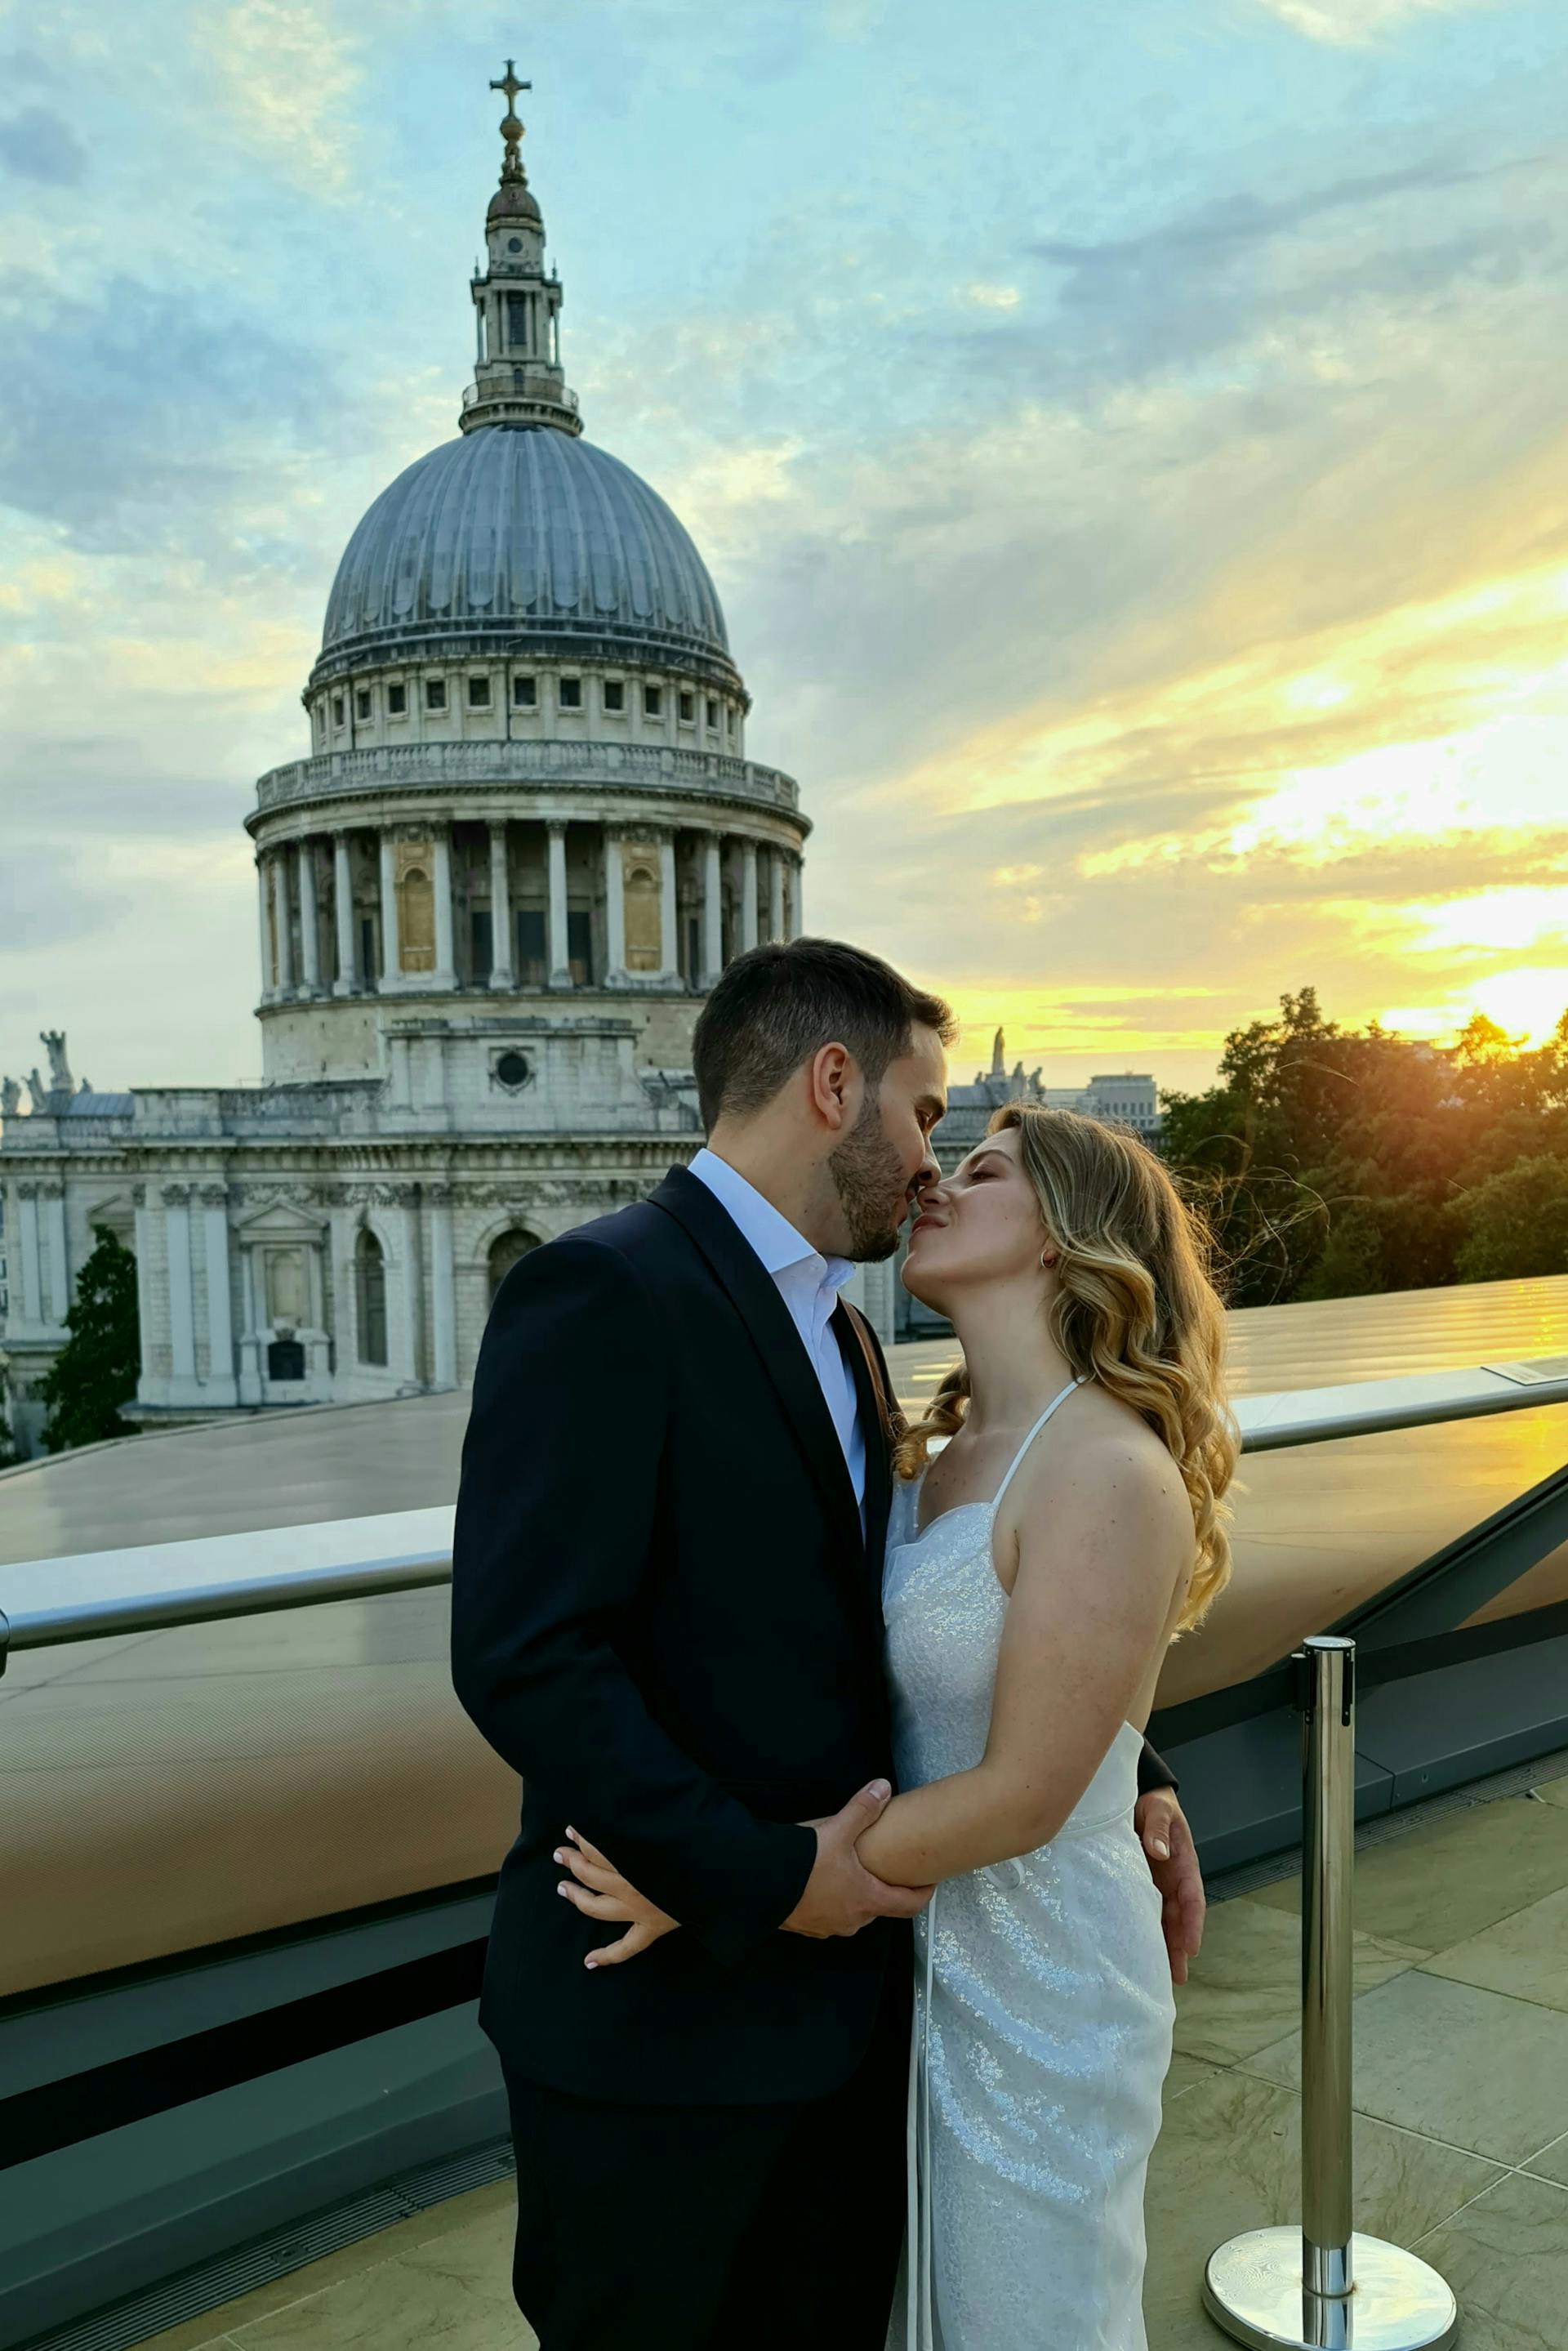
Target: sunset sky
1131, 445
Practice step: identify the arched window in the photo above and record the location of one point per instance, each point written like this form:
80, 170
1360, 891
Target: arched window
370, 1288
643, 942
416, 913
504, 1252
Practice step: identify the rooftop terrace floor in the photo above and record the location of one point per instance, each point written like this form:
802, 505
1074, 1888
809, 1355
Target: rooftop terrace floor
1461, 2094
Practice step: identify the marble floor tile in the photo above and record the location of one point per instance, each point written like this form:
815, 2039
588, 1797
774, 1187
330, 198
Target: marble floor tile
1506, 2258
1228, 2159
1525, 1955
1475, 2068
497, 2199
1551, 2162
1245, 1987
1185, 2074
1183, 2328
1439, 1885
454, 2291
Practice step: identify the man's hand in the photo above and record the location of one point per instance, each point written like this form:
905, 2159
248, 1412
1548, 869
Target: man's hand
841, 1895
1167, 1839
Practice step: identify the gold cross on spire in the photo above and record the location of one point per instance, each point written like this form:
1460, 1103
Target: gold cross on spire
511, 128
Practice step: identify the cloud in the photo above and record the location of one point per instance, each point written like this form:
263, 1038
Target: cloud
151, 418
54, 900
1241, 219
1357, 24
27, 68
1158, 613
39, 145
285, 72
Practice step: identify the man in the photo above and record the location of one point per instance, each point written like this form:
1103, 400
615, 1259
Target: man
666, 1617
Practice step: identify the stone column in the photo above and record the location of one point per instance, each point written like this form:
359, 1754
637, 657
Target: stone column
309, 925
776, 895
32, 1254
53, 1198
748, 893
713, 911
390, 960
404, 1340
501, 974
283, 917
615, 910
559, 957
444, 1291
220, 1314
445, 972
797, 896
145, 1385
181, 1312
263, 887
669, 922
343, 915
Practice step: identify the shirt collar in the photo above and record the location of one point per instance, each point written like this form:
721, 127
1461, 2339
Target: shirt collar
771, 1235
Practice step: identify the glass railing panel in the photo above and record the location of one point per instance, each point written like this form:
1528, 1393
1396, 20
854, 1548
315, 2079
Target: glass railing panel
1320, 1530
187, 1787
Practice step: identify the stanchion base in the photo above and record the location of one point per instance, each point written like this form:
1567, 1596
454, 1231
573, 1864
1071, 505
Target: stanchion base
1253, 2287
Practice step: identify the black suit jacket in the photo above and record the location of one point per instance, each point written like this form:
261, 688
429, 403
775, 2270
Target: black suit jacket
667, 1620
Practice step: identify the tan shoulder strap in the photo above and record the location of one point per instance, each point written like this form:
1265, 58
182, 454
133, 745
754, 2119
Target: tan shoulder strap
888, 1411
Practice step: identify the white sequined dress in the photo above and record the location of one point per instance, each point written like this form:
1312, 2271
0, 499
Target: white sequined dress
1043, 2005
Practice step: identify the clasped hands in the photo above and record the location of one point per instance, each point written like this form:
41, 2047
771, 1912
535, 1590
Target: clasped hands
842, 1896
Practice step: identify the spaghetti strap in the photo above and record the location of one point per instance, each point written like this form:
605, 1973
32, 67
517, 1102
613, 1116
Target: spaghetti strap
1018, 1456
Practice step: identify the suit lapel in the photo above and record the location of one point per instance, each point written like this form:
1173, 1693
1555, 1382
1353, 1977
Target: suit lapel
877, 1431
754, 1294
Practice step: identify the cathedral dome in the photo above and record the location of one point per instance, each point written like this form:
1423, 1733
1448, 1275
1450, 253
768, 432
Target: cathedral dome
532, 534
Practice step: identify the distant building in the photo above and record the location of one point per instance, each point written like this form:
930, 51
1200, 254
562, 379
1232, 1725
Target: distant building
1126, 1100
525, 840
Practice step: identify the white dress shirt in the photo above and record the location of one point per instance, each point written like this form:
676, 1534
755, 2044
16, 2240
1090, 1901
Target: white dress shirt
809, 1284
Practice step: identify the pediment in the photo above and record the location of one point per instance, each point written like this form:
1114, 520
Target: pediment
281, 1221
118, 1212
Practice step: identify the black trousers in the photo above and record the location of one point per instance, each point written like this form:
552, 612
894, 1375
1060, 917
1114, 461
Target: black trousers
707, 2228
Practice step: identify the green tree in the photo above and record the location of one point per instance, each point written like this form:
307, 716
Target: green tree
1516, 1223
1332, 1163
96, 1370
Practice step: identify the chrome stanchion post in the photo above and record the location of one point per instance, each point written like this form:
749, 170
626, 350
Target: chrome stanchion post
1328, 1868
1323, 2286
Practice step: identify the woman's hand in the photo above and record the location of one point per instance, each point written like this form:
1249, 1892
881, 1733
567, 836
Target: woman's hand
600, 1892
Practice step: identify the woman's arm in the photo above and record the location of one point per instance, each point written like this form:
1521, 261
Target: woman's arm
1097, 1575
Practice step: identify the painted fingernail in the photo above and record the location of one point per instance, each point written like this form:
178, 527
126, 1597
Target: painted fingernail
564, 1889
559, 1855
590, 1963
1162, 1849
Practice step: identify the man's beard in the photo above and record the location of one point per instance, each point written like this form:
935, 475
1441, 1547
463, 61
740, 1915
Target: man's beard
867, 1179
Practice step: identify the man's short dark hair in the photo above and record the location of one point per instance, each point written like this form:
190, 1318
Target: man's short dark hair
774, 1007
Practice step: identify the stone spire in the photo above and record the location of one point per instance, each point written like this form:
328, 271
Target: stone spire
998, 1067
517, 374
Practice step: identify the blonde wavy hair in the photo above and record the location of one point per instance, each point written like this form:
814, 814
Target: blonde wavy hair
1134, 1309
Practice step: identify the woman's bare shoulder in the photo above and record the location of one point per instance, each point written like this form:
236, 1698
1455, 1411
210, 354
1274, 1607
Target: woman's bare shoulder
1107, 1461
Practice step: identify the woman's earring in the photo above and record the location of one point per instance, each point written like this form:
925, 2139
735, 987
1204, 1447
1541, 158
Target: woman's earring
1045, 1262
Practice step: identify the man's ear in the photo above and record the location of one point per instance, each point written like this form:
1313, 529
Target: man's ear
835, 1086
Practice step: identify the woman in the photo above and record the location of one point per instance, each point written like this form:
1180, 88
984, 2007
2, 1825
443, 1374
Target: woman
1037, 1570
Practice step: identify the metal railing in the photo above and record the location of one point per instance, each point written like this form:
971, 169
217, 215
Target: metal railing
158, 1586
